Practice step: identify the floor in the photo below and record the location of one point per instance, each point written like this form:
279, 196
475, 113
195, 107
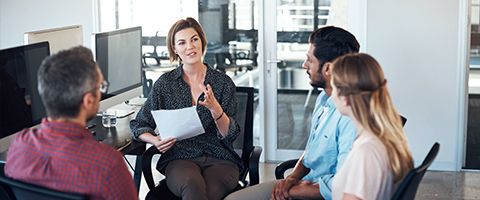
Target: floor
440, 185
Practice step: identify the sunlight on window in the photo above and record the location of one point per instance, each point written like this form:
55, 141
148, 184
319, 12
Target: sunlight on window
152, 15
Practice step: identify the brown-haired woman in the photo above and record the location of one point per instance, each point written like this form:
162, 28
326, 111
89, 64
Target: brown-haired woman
205, 166
380, 156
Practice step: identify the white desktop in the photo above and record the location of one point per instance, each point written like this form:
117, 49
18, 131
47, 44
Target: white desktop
118, 54
58, 38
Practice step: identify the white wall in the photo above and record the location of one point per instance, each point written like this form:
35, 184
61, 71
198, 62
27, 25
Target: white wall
417, 43
20, 16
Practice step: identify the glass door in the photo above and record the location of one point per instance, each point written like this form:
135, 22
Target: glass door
289, 97
254, 46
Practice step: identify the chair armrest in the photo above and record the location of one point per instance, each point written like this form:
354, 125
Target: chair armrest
152, 56
147, 166
253, 165
284, 166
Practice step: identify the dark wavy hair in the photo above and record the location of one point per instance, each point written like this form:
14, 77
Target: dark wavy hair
332, 42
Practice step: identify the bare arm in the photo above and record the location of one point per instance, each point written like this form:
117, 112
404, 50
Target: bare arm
299, 171
347, 196
305, 190
223, 123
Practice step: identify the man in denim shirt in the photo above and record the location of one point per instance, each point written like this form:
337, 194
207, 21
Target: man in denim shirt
331, 134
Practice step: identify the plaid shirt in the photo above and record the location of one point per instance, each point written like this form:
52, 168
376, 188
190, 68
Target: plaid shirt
65, 156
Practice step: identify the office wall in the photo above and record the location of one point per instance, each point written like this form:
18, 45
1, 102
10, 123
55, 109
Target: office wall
417, 43
20, 16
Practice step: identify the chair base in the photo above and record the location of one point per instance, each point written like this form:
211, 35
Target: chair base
161, 191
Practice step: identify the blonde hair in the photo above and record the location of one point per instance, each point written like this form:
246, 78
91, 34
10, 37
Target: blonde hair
360, 78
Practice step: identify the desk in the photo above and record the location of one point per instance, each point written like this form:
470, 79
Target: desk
118, 137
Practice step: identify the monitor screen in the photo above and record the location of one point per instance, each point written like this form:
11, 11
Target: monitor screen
20, 103
58, 38
118, 54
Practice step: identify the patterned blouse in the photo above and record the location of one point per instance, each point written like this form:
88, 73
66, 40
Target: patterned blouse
170, 91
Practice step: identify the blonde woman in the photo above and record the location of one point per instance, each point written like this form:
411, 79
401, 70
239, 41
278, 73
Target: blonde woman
380, 156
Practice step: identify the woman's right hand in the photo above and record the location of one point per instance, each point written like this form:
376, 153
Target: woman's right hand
162, 145
165, 144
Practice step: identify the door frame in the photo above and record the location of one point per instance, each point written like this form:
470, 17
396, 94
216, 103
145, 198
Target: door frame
267, 34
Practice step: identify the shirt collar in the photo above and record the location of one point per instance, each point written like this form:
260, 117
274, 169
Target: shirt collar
330, 103
68, 128
325, 100
179, 71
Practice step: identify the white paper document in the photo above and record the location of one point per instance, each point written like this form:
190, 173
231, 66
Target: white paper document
180, 124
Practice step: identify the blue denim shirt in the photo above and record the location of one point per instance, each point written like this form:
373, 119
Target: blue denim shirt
330, 140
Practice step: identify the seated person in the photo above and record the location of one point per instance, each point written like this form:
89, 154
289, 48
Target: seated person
380, 156
61, 153
331, 135
205, 166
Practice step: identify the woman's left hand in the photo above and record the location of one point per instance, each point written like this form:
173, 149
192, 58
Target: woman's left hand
211, 102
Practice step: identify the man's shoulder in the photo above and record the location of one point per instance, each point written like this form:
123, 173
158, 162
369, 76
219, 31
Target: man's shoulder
102, 151
27, 135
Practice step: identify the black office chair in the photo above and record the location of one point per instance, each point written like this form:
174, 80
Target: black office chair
281, 168
243, 145
221, 59
409, 185
16, 190
155, 42
147, 84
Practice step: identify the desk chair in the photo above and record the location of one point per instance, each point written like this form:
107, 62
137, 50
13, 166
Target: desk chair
11, 189
147, 84
243, 145
221, 59
409, 185
289, 164
155, 42
136, 149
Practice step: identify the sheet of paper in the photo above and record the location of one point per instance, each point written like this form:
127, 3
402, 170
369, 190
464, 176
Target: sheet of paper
181, 123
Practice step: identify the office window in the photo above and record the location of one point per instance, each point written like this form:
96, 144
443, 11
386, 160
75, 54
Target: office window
152, 15
155, 17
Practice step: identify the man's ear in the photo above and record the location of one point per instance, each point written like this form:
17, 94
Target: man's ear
326, 68
88, 100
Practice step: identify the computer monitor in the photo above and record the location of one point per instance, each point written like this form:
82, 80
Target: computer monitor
20, 103
118, 54
59, 38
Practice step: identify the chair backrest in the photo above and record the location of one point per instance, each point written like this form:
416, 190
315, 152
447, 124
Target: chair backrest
13, 189
409, 185
243, 145
404, 120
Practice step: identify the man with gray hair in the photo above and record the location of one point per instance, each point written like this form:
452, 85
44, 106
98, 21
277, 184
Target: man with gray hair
61, 153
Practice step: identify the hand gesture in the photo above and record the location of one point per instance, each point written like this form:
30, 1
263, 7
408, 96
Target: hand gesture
211, 102
164, 145
280, 192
